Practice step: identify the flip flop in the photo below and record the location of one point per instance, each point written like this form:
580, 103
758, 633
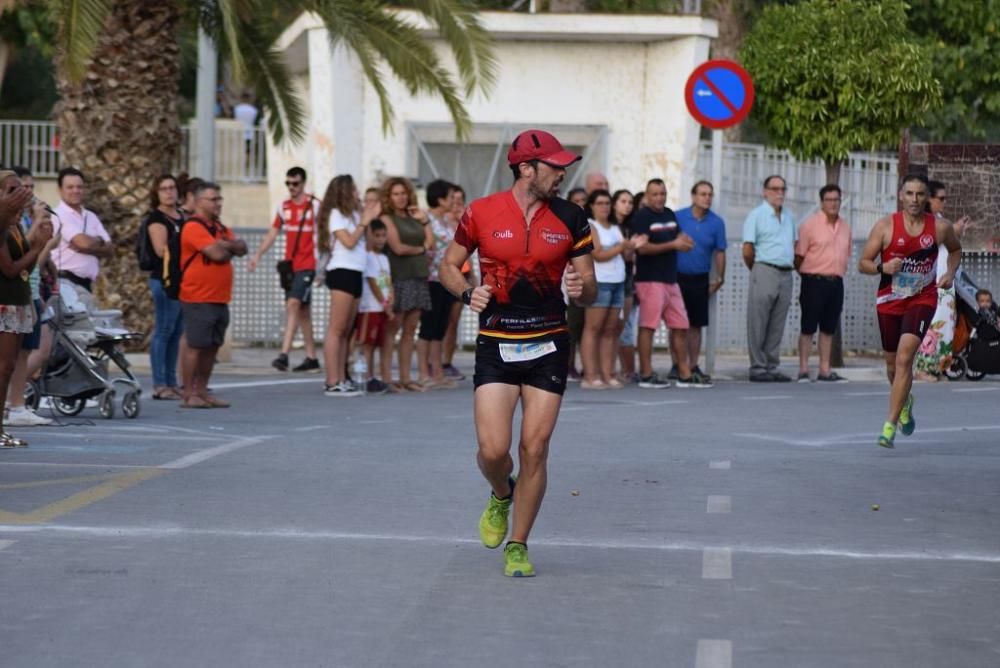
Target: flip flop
413, 386
195, 402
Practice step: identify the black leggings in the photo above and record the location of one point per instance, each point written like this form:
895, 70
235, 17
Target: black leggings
434, 323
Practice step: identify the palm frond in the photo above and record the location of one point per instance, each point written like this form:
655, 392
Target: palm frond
265, 71
81, 24
370, 31
468, 40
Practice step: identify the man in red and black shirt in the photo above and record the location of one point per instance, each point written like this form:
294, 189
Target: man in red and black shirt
525, 237
297, 216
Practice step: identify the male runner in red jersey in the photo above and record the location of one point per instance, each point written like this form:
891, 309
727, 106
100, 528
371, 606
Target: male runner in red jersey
907, 242
525, 237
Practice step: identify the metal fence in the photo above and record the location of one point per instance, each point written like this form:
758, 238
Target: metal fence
258, 314
240, 155
869, 182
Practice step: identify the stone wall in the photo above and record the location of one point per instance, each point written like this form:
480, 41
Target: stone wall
972, 174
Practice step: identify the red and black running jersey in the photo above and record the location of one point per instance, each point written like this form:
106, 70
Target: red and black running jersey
523, 262
915, 284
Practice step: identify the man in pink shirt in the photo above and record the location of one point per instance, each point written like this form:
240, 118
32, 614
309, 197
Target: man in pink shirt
83, 241
821, 256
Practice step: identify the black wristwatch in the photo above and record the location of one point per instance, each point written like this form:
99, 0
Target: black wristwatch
467, 297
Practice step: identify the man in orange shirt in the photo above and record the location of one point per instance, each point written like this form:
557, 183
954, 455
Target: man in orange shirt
821, 256
207, 250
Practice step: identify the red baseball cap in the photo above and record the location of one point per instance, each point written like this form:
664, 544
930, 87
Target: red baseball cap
539, 145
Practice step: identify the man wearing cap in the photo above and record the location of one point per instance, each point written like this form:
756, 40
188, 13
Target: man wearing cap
525, 237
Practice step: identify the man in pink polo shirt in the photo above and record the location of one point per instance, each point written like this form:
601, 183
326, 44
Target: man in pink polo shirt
83, 241
821, 256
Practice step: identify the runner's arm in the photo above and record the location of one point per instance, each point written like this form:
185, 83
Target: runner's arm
583, 265
450, 272
948, 237
867, 265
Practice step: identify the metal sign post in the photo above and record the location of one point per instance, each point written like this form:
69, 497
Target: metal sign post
719, 94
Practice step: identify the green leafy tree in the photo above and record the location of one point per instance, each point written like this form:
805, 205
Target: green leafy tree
964, 39
118, 65
838, 76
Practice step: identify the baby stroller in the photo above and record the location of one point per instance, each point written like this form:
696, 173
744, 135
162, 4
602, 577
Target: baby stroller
976, 348
85, 343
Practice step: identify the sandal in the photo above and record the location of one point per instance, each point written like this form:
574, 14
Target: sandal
8, 441
195, 402
412, 386
167, 394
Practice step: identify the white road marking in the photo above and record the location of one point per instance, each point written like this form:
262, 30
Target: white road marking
81, 435
265, 383
766, 397
204, 455
89, 466
375, 421
298, 534
867, 394
856, 438
720, 464
314, 427
719, 504
975, 389
717, 563
667, 402
4, 544
714, 654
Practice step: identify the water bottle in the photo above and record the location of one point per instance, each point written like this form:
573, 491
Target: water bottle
360, 372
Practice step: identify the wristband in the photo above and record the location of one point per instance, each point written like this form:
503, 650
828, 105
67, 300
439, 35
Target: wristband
467, 297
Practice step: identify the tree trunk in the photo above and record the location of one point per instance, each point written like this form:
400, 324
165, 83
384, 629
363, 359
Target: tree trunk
119, 125
837, 350
4, 59
733, 17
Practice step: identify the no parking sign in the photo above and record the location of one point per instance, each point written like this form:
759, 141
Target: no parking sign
719, 94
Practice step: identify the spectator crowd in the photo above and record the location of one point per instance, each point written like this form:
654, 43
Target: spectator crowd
379, 254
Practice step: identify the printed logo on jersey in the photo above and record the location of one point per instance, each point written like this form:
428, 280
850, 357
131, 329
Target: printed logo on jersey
658, 227
503, 234
554, 238
926, 241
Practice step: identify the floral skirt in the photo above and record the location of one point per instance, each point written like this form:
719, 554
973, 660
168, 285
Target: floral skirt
934, 355
17, 318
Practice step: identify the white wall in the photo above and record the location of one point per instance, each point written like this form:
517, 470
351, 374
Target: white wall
635, 89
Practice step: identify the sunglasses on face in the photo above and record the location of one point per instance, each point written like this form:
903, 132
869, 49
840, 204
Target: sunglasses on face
293, 184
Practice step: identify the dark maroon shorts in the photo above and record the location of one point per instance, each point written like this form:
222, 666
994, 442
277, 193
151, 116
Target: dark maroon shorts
916, 321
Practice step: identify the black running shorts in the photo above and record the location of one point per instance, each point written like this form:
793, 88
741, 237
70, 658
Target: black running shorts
546, 373
915, 321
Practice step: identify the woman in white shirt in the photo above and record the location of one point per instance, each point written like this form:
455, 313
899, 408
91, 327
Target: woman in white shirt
597, 345
342, 227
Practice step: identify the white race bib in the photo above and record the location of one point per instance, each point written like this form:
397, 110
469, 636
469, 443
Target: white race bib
524, 352
907, 285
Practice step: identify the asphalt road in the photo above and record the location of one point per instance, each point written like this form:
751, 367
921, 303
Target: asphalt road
694, 528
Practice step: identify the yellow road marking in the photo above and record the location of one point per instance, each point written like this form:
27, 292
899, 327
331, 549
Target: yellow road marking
117, 483
56, 481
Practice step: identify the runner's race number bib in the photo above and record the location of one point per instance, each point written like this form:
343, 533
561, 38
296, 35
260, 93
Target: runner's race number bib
525, 352
908, 285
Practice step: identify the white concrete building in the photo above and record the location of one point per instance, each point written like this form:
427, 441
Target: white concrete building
609, 86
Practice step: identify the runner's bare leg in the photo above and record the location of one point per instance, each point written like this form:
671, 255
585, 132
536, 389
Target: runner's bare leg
540, 412
494, 409
902, 378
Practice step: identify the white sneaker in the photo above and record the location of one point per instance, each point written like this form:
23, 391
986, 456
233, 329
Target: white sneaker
25, 417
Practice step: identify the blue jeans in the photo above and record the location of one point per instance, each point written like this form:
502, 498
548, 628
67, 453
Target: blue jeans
166, 336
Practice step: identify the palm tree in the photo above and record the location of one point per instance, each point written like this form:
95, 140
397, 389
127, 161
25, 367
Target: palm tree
118, 64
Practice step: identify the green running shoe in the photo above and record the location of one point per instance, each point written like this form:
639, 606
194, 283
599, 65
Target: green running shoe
515, 561
888, 435
907, 423
493, 521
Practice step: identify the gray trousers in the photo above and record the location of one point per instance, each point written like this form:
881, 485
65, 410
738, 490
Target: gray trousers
769, 298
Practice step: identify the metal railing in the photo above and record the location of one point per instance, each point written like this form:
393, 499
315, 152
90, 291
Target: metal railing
240, 155
869, 182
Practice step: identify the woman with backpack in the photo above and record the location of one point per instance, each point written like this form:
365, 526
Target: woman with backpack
161, 224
